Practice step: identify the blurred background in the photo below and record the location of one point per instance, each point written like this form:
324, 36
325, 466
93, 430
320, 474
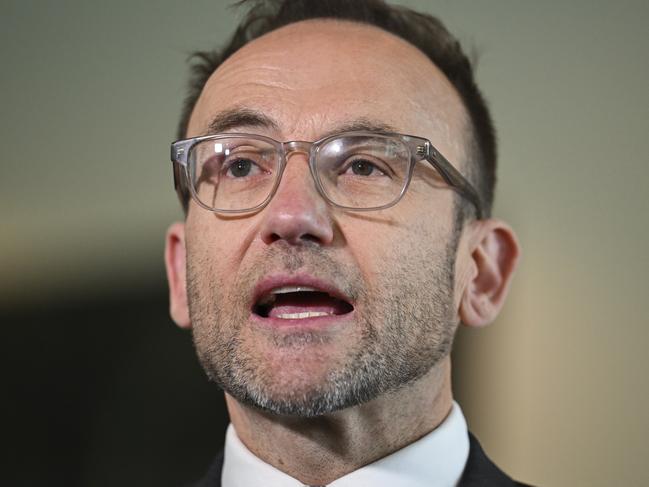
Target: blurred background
103, 390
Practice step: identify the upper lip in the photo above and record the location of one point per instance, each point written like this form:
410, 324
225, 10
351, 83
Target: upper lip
271, 282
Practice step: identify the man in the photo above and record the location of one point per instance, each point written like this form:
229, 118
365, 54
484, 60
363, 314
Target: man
326, 259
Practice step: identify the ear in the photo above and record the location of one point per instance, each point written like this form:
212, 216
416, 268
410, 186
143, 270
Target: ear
175, 260
494, 253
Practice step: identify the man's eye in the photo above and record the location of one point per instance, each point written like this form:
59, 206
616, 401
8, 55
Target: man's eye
363, 167
240, 168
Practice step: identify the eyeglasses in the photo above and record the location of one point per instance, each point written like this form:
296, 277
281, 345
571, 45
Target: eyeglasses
360, 171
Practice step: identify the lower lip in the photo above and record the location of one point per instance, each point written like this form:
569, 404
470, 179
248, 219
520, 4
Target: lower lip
301, 323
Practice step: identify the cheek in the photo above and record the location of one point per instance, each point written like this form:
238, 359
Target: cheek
386, 247
221, 244
371, 243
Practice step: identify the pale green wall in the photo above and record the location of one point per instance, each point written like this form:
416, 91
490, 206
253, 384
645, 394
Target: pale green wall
90, 94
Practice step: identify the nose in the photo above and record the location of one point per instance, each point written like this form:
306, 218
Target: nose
297, 214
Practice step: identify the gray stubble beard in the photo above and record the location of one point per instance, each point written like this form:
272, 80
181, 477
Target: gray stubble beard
409, 330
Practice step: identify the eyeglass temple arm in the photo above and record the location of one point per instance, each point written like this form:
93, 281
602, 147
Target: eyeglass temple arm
179, 151
452, 176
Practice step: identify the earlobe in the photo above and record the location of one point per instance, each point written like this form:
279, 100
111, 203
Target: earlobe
175, 263
494, 259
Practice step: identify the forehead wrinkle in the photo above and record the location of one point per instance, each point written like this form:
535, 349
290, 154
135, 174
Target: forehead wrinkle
240, 116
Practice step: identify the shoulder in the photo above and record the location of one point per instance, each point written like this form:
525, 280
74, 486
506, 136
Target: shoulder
480, 471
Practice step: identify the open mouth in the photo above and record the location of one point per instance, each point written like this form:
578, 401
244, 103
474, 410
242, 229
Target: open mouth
298, 303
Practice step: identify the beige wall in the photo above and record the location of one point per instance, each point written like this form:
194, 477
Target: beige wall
556, 390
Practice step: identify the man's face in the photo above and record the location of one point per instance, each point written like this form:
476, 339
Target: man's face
361, 302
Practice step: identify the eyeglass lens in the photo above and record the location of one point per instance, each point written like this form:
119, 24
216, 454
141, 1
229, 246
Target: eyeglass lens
353, 171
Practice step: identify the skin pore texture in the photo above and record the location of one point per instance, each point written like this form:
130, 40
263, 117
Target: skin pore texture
318, 402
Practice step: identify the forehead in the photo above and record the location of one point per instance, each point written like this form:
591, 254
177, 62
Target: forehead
314, 75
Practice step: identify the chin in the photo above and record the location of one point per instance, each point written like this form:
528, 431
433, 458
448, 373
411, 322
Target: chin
307, 402
295, 383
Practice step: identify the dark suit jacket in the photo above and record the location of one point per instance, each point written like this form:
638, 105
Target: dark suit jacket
479, 471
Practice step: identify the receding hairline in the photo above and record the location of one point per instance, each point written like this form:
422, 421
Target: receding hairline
334, 22
307, 26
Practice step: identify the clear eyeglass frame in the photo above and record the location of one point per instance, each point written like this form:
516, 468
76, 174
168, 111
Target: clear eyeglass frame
419, 148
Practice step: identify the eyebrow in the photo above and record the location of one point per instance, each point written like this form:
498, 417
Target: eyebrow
239, 117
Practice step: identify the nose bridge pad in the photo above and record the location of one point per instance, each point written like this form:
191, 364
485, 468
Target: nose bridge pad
297, 146
301, 147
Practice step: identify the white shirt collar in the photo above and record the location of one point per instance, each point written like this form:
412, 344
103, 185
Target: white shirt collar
435, 459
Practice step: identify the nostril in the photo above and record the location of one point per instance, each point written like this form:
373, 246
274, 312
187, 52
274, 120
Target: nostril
306, 238
272, 238
310, 238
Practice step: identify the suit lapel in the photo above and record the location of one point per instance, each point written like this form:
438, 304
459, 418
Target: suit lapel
481, 471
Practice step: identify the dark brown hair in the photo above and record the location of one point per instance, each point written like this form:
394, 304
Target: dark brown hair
423, 31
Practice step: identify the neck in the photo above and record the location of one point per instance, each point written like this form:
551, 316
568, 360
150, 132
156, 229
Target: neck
319, 450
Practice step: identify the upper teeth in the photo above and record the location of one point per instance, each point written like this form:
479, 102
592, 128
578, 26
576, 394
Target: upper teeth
292, 289
301, 315
269, 298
